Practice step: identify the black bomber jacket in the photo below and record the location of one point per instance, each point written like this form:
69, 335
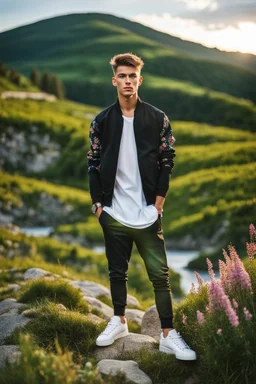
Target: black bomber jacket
154, 142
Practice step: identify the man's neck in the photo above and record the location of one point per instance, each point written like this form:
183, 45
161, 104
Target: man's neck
128, 105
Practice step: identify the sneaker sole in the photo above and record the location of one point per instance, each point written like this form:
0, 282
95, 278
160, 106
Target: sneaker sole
111, 341
170, 351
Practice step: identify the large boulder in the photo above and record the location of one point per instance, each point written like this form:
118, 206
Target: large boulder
150, 324
131, 369
130, 343
134, 315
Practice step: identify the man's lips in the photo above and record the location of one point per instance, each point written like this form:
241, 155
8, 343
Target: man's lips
127, 87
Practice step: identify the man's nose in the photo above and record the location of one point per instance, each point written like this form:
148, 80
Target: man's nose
127, 80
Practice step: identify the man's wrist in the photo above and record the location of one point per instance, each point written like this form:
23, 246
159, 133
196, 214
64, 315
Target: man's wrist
95, 207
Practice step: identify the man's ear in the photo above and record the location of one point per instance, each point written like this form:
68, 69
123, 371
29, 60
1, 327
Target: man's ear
140, 80
114, 81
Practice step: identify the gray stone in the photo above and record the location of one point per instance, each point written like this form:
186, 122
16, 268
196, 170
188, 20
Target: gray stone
131, 300
130, 343
90, 288
106, 311
36, 273
134, 315
9, 321
14, 287
129, 367
11, 353
9, 304
150, 324
94, 318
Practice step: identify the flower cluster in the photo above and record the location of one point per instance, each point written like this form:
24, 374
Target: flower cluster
233, 280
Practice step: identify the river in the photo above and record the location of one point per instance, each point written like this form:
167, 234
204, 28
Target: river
176, 259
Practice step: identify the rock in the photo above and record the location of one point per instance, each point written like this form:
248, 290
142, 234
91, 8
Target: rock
11, 353
134, 315
131, 369
14, 287
9, 304
30, 312
131, 300
106, 311
194, 379
36, 273
90, 288
150, 324
94, 318
130, 343
10, 318
61, 307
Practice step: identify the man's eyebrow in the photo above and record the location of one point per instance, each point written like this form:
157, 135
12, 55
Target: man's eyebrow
121, 74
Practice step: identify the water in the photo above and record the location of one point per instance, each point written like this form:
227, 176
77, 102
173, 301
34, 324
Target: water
178, 260
37, 231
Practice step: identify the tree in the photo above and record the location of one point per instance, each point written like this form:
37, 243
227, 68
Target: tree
3, 69
35, 77
45, 82
14, 77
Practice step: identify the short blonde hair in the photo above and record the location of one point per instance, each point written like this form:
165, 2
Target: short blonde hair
128, 59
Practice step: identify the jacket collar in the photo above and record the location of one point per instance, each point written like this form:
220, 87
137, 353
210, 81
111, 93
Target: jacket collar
118, 108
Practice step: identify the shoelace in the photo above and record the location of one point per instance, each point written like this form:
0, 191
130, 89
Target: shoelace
180, 342
109, 328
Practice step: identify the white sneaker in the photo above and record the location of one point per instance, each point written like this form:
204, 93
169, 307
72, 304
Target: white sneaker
174, 343
113, 331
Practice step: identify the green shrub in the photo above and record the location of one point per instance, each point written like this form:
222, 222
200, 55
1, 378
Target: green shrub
58, 291
37, 366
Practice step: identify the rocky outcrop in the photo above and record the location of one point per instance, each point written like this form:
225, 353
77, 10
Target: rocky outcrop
130, 343
129, 367
27, 151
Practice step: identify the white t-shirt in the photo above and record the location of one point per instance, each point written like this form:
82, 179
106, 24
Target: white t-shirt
129, 205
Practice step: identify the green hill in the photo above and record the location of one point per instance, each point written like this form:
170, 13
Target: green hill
78, 47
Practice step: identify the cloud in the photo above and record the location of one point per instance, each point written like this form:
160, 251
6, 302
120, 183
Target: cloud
224, 14
227, 38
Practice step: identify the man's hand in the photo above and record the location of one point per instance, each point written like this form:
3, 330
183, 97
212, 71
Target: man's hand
159, 203
98, 212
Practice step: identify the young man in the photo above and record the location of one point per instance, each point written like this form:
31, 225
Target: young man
129, 166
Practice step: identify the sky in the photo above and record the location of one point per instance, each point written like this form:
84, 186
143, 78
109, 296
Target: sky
229, 25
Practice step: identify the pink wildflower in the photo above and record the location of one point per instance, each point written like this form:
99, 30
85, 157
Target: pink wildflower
192, 289
219, 331
247, 314
200, 317
251, 250
235, 303
218, 299
210, 269
184, 319
252, 231
200, 281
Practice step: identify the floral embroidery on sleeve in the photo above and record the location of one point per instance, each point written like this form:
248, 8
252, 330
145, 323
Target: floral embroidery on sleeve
166, 150
93, 155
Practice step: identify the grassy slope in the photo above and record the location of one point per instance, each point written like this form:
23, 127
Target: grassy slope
79, 53
226, 161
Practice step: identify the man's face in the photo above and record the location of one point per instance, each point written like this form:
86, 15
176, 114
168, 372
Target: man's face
127, 80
